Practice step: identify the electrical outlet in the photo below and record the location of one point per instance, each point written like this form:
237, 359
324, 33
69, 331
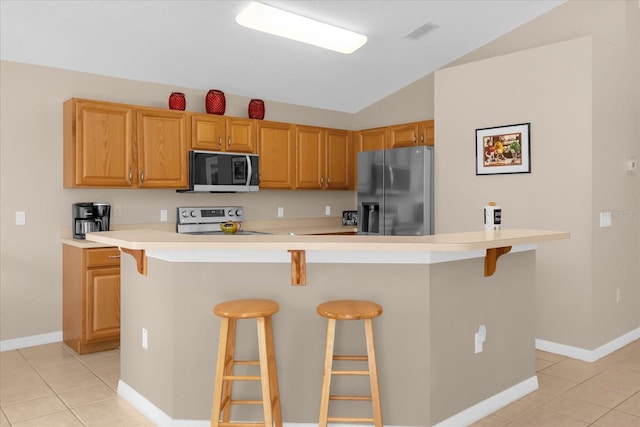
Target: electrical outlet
618, 295
327, 210
163, 215
145, 339
280, 212
21, 218
479, 338
605, 219
117, 209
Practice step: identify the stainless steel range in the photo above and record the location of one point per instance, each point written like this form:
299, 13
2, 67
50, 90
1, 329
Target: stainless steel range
207, 219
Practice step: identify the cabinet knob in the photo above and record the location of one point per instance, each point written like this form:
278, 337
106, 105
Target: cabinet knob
229, 142
141, 177
321, 180
220, 141
130, 175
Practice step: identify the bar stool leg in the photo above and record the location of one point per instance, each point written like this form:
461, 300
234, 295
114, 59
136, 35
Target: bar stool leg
326, 375
264, 373
229, 360
273, 374
220, 365
373, 373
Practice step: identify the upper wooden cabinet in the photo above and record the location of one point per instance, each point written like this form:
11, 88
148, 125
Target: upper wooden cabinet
162, 149
322, 158
113, 145
220, 133
372, 139
411, 134
276, 147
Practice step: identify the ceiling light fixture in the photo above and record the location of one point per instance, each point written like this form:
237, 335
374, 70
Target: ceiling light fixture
265, 18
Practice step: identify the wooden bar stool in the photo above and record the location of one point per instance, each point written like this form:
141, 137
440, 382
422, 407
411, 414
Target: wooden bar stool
230, 312
349, 310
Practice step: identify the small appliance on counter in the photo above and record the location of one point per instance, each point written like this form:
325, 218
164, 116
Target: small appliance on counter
208, 220
88, 217
350, 218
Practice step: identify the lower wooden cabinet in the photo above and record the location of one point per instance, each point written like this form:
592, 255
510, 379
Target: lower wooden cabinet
91, 298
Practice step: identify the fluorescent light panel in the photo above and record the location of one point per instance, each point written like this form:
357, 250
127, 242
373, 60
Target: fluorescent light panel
270, 20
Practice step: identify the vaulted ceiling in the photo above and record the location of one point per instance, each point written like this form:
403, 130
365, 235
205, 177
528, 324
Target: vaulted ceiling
198, 44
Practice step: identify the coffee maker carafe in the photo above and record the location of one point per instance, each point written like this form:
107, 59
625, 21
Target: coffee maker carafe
88, 217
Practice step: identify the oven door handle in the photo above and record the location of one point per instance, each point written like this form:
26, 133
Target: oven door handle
249, 171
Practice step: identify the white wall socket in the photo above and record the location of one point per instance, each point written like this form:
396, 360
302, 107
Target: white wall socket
280, 212
145, 339
117, 209
21, 218
605, 219
327, 210
163, 215
479, 338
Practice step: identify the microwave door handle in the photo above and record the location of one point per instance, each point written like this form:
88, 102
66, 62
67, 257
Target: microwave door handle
249, 171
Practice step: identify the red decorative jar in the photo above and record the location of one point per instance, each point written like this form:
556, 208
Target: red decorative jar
256, 109
177, 101
215, 102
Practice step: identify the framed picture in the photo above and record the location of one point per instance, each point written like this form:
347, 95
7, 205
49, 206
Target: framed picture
503, 149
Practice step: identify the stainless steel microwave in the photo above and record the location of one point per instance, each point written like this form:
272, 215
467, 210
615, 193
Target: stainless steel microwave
216, 171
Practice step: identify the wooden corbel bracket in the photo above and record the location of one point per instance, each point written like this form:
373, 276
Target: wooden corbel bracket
140, 257
491, 258
298, 267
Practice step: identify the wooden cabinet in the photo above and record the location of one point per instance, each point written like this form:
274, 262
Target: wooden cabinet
91, 298
276, 148
411, 134
372, 139
109, 145
322, 157
162, 149
220, 133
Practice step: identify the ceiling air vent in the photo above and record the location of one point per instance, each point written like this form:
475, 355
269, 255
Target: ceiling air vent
422, 30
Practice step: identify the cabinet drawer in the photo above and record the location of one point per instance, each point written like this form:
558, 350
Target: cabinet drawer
103, 257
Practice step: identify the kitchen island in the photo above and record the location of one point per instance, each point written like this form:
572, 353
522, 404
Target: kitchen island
436, 292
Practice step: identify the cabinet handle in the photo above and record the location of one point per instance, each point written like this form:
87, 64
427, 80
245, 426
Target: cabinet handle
130, 175
220, 141
114, 256
421, 139
141, 177
229, 142
321, 180
328, 180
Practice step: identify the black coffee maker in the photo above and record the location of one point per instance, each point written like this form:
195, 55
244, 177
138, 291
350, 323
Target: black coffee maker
88, 217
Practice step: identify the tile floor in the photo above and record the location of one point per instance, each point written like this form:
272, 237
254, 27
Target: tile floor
50, 385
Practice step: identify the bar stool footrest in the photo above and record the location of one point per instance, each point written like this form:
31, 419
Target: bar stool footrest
349, 372
239, 424
358, 398
352, 358
349, 420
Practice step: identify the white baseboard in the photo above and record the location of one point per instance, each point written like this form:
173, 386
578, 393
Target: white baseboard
588, 355
491, 405
30, 341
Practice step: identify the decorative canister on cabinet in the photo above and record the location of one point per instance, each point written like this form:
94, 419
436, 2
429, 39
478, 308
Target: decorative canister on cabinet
177, 101
215, 102
256, 109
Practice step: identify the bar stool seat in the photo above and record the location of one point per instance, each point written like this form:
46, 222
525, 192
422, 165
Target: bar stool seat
349, 310
230, 312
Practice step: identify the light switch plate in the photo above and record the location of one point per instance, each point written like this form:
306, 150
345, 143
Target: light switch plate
163, 215
21, 218
605, 219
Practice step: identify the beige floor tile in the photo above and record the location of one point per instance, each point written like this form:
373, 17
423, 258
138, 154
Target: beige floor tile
542, 364
621, 379
47, 355
34, 408
618, 419
12, 363
109, 412
632, 361
113, 384
537, 397
622, 354
59, 419
84, 396
513, 410
3, 419
574, 408
542, 417
553, 384
597, 395
99, 359
631, 405
491, 421
549, 356
108, 371
73, 382
573, 370
22, 387
72, 367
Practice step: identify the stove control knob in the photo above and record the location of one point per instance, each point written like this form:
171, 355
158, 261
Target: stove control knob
231, 212
193, 213
238, 212
184, 214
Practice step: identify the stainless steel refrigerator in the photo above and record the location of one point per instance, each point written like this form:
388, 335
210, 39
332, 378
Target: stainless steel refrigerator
395, 191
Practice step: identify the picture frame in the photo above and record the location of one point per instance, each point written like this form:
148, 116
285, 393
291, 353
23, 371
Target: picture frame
503, 149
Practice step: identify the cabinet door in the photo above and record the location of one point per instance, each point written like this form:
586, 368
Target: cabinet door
310, 172
102, 304
372, 139
337, 151
208, 132
405, 135
426, 132
98, 144
276, 147
162, 149
241, 135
